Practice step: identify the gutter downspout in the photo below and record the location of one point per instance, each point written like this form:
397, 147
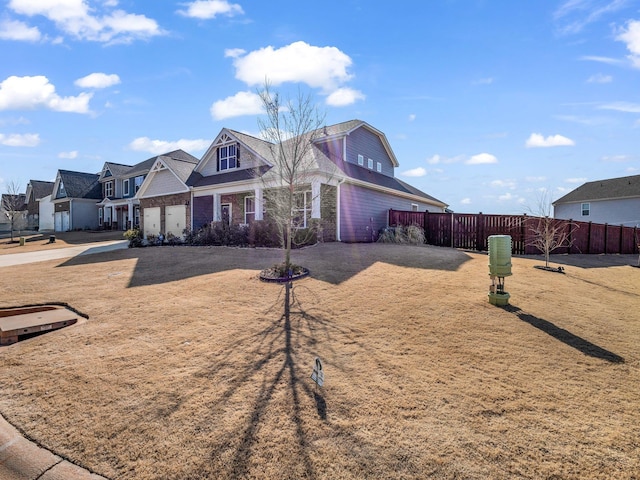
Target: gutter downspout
338, 219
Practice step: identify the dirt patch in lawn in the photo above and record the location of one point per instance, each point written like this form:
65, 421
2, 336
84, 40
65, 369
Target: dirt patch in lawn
186, 368
40, 241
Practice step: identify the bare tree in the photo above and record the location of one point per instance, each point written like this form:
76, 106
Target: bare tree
548, 233
13, 206
291, 126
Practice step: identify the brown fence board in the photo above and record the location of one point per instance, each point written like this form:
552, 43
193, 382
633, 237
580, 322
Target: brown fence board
471, 231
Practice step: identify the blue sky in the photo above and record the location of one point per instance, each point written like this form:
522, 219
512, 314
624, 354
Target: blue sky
485, 103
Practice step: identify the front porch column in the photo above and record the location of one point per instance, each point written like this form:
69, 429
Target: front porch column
259, 203
216, 207
315, 199
129, 223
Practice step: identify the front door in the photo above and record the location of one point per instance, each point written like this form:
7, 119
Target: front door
225, 213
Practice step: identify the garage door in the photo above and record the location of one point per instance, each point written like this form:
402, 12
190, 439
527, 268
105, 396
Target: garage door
61, 221
151, 221
175, 218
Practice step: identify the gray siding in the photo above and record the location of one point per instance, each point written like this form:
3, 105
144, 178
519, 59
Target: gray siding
363, 212
202, 211
84, 215
164, 182
615, 212
368, 144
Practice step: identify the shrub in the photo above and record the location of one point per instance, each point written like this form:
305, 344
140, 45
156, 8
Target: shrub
134, 236
413, 235
173, 240
263, 233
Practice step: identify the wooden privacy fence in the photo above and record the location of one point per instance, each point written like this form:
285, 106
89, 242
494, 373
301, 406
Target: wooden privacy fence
471, 231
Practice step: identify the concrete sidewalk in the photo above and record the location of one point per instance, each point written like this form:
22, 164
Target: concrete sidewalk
67, 252
21, 459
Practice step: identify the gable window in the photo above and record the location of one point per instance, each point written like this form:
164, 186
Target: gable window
379, 167
370, 163
302, 209
108, 189
227, 157
586, 209
125, 188
361, 160
137, 182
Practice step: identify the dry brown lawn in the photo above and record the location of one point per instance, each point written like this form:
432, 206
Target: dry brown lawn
187, 369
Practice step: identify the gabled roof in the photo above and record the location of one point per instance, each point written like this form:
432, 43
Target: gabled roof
116, 169
80, 184
41, 188
343, 129
178, 162
610, 189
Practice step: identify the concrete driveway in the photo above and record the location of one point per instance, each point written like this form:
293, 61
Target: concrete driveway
44, 255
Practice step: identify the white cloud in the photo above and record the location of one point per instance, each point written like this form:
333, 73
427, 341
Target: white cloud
607, 60
20, 140
99, 22
68, 155
344, 96
631, 36
617, 158
242, 103
506, 197
626, 107
158, 147
465, 201
98, 80
318, 67
412, 117
483, 81
600, 78
234, 52
573, 15
437, 159
481, 159
207, 9
536, 140
30, 93
510, 184
535, 179
575, 180
16, 30
415, 172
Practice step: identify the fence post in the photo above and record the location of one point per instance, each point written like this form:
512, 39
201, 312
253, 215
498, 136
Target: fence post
479, 232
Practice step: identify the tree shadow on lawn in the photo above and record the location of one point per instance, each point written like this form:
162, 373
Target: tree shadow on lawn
329, 262
279, 359
565, 336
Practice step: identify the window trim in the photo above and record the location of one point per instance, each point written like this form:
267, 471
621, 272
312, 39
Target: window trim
415, 207
361, 160
306, 208
125, 188
108, 188
379, 167
586, 209
246, 211
370, 163
137, 186
227, 158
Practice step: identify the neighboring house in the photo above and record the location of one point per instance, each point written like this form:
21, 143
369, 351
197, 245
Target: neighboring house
120, 206
46, 214
75, 197
165, 197
350, 191
13, 207
613, 201
37, 191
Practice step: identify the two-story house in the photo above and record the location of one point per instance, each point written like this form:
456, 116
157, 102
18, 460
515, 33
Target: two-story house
349, 183
75, 196
120, 205
39, 206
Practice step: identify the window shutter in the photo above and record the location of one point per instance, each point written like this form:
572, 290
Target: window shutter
218, 160
238, 155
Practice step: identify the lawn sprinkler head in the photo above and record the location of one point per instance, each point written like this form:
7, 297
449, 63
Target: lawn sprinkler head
499, 267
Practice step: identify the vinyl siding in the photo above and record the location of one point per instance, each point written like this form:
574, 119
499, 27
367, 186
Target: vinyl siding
369, 145
363, 212
164, 182
615, 212
202, 211
247, 160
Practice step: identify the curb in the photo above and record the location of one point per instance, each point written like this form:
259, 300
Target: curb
21, 459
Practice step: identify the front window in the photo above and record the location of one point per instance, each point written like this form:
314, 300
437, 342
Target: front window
302, 209
100, 216
586, 209
138, 182
249, 209
370, 163
414, 207
125, 188
227, 157
108, 189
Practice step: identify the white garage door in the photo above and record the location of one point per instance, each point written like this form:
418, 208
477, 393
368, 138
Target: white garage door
151, 221
175, 218
61, 221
